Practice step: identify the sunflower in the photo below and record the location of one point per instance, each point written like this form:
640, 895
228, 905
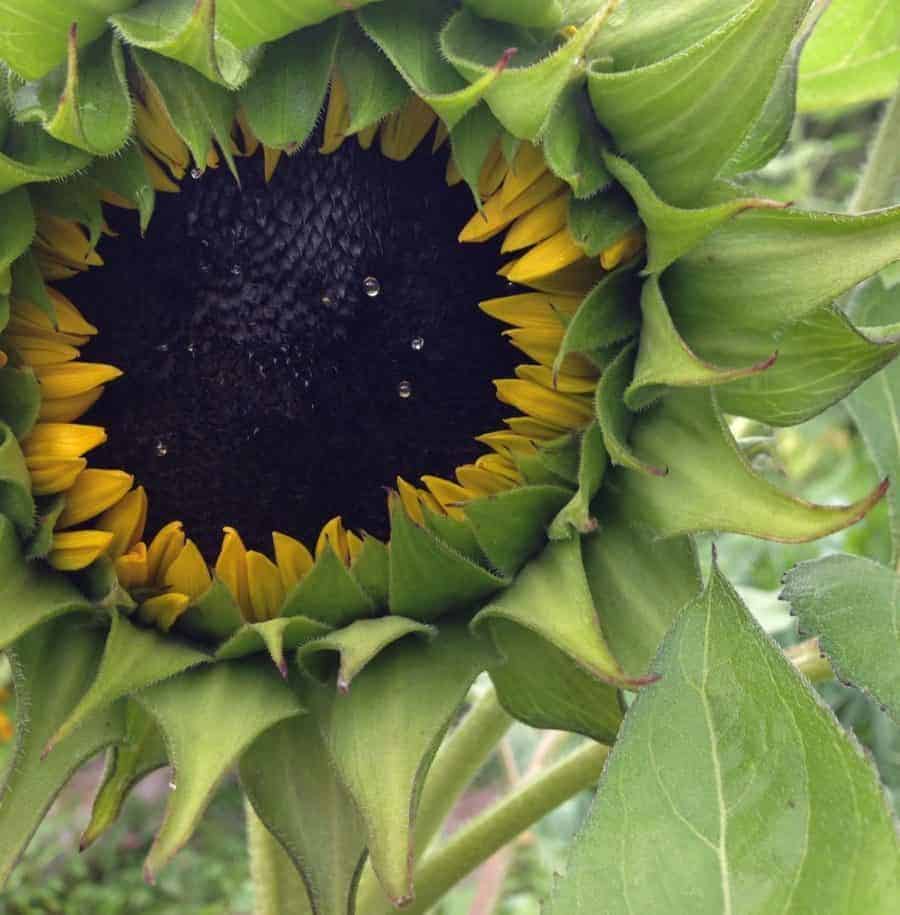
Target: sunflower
348, 208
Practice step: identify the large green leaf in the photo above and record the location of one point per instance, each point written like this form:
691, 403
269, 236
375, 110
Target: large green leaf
732, 789
34, 33
289, 779
383, 734
852, 57
16, 502
17, 228
853, 605
208, 717
284, 97
682, 119
710, 486
52, 666
20, 399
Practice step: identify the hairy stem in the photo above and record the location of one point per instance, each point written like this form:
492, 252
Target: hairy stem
478, 840
277, 887
879, 178
807, 657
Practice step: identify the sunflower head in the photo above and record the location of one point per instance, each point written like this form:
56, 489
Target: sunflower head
480, 278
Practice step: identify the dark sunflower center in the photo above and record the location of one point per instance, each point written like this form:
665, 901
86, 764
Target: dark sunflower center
289, 350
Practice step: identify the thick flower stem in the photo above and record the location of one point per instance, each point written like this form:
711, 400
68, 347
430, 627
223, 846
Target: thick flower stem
879, 178
478, 840
277, 887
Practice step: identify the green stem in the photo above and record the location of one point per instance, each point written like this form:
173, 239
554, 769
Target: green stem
477, 841
879, 178
807, 657
277, 887
458, 761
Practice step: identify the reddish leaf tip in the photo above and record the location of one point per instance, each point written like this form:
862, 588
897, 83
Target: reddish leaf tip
282, 668
343, 685
505, 58
149, 876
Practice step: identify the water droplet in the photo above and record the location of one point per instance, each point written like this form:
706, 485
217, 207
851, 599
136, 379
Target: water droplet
162, 348
171, 786
162, 449
195, 173
236, 269
371, 286
404, 389
326, 300
418, 344
204, 242
192, 348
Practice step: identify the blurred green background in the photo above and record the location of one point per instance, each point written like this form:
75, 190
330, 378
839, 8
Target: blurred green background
823, 460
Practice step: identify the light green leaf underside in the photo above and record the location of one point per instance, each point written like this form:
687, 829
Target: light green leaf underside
20, 399
852, 57
16, 502
710, 486
70, 650
731, 767
383, 734
328, 593
244, 699
542, 14
681, 120
599, 222
853, 605
289, 779
276, 636
576, 518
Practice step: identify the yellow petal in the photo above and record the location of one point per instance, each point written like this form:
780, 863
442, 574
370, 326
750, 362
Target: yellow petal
409, 496
539, 224
163, 551
231, 568
189, 573
156, 133
506, 442
3, 359
525, 310
212, 157
453, 175
528, 166
126, 521
74, 550
35, 351
565, 384
337, 117
92, 493
404, 130
566, 410
558, 251
293, 558
52, 475
249, 140
537, 430
72, 379
502, 466
441, 135
481, 482
367, 136
575, 280
333, 533
62, 440
69, 319
497, 215
542, 344
65, 241
493, 171
271, 157
117, 200
264, 586
354, 545
7, 730
51, 268
132, 569
67, 409
163, 610
159, 177
622, 250
448, 495
24, 328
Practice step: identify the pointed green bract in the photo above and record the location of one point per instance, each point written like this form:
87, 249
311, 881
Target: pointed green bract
710, 485
28, 283
244, 699
472, 140
276, 636
372, 570
767, 807
284, 97
355, 646
576, 517
126, 175
328, 593
30, 155
212, 617
76, 199
682, 119
20, 399
290, 781
383, 734
70, 649
16, 502
853, 605
47, 512
132, 659
458, 535
17, 230
599, 222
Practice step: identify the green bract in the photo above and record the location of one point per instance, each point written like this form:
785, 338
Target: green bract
561, 589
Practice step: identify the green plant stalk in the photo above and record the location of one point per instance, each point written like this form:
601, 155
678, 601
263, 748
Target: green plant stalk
882, 170
486, 834
277, 887
467, 749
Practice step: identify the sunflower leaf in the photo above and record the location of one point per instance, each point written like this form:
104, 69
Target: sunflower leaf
140, 752
472, 140
199, 110
710, 486
511, 526
17, 230
132, 659
20, 399
83, 102
328, 593
576, 517
284, 97
525, 93
821, 359
372, 570
16, 502
275, 636
69, 649
355, 646
34, 33
76, 199
209, 716
681, 119
384, 733
705, 761
185, 30
126, 175
28, 284
538, 684
429, 578
598, 222
551, 598
305, 806
29, 154
852, 605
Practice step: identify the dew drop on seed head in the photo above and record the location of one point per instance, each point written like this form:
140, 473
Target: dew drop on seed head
418, 344
162, 348
192, 348
236, 269
195, 173
326, 300
162, 449
404, 389
371, 286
